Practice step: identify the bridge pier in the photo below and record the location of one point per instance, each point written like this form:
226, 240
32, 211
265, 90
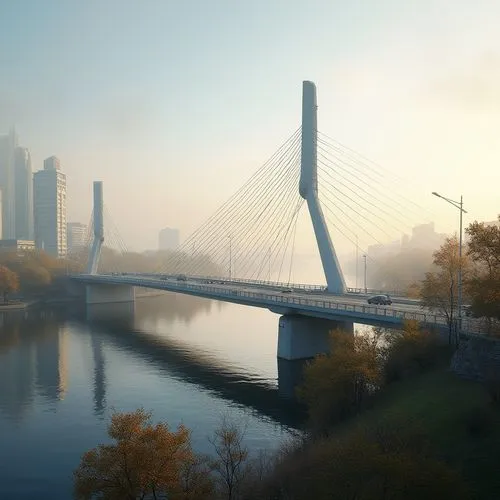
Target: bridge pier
301, 337
109, 294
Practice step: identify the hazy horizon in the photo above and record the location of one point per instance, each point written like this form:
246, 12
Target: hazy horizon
174, 106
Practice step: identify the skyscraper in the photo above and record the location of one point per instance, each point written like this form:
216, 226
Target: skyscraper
77, 236
8, 144
168, 239
50, 208
23, 194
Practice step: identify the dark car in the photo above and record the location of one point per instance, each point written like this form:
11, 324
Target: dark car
383, 300
469, 312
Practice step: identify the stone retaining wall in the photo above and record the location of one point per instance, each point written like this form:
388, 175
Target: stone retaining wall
477, 358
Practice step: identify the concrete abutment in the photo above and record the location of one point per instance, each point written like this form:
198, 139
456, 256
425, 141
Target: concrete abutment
302, 337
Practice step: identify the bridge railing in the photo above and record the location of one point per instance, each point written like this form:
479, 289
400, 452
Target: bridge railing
277, 284
279, 299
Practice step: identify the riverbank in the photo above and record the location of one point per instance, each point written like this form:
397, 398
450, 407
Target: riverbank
455, 415
18, 305
436, 430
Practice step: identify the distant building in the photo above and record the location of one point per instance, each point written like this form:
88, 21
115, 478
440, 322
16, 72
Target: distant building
380, 250
168, 239
77, 236
23, 194
8, 144
16, 245
493, 223
424, 237
49, 190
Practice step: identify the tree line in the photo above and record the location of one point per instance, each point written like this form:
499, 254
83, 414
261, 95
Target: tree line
33, 273
480, 265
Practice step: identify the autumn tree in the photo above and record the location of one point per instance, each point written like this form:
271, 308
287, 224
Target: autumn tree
439, 289
33, 277
411, 351
336, 384
144, 461
9, 282
230, 458
484, 282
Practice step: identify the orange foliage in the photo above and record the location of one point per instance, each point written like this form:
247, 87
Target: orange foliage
145, 461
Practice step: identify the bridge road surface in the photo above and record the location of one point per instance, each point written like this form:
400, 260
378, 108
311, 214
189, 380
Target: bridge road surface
285, 300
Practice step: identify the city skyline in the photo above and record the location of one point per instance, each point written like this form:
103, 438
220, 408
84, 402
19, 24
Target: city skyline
424, 107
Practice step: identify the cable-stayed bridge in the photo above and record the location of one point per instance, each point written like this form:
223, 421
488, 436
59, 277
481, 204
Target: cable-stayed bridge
257, 226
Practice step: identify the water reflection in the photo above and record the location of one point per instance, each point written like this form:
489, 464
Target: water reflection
32, 361
34, 357
62, 370
188, 363
99, 375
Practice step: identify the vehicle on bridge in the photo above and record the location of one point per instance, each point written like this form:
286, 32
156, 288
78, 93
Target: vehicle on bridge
181, 277
383, 300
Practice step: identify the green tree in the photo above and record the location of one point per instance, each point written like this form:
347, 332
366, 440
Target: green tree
9, 282
379, 463
336, 384
484, 283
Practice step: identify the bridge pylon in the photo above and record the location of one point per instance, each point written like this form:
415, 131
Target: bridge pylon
98, 239
308, 189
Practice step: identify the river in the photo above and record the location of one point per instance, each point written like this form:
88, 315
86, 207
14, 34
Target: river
188, 360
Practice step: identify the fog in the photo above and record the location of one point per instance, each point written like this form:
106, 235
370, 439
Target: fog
175, 105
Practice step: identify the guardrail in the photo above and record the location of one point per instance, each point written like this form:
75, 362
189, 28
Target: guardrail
266, 299
273, 284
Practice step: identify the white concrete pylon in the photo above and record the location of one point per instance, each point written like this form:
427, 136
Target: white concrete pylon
308, 188
95, 251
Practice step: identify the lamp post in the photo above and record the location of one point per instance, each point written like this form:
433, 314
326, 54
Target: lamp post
357, 259
460, 206
269, 264
230, 257
364, 257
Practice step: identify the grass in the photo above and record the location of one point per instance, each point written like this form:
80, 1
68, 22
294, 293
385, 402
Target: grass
462, 425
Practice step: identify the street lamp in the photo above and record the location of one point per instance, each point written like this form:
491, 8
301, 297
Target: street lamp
230, 256
364, 257
357, 261
459, 205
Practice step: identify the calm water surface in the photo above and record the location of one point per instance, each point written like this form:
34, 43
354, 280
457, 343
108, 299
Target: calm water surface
188, 360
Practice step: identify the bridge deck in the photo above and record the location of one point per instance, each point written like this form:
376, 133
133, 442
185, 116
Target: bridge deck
290, 301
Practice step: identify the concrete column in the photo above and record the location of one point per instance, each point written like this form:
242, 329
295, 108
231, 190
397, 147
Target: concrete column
302, 337
109, 294
308, 189
98, 213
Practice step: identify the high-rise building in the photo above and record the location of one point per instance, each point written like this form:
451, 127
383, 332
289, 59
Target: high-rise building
23, 194
49, 190
77, 236
168, 239
1, 212
8, 144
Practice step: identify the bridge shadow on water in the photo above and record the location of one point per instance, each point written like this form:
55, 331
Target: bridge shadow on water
118, 324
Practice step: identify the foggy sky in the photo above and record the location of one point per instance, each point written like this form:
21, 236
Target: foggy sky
175, 104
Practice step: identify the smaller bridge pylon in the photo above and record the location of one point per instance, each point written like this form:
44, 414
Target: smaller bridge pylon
101, 293
98, 240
